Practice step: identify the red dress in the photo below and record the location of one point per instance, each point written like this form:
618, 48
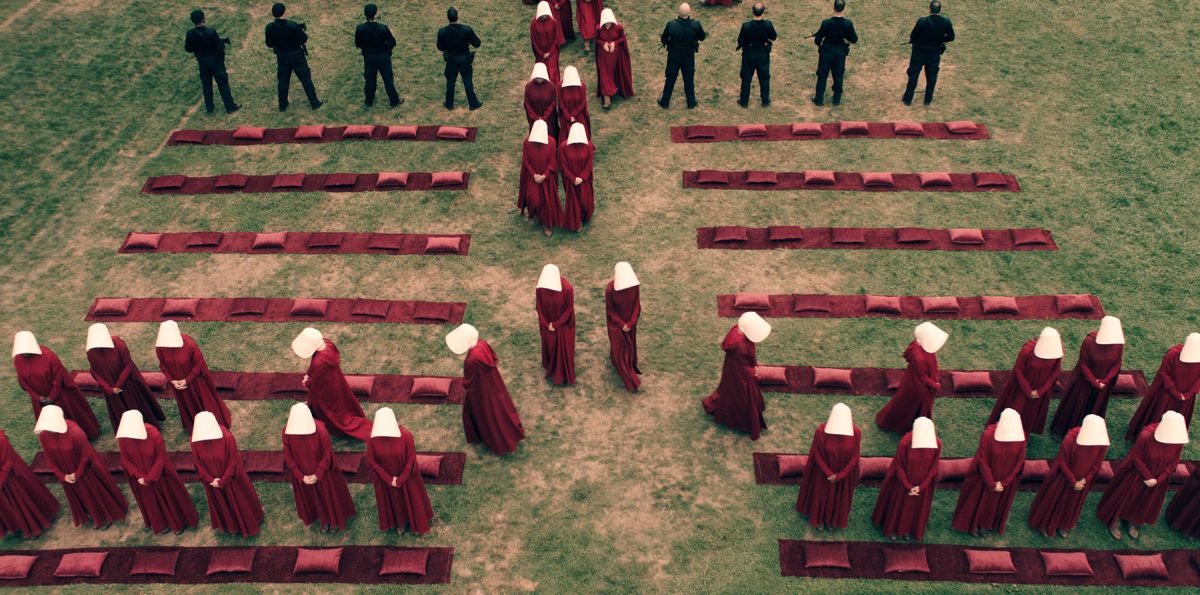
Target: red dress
488, 413
897, 513
1098, 364
541, 199
49, 383
328, 501
114, 367
575, 161
980, 506
1057, 505
330, 397
94, 494
1183, 513
407, 503
572, 108
1174, 389
545, 36
738, 402
914, 397
187, 363
561, 10
26, 506
233, 507
827, 503
1127, 497
587, 17
164, 500
541, 103
1030, 373
558, 347
614, 74
623, 309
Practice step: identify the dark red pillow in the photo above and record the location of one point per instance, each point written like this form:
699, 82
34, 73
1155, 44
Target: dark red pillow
752, 301
945, 304
1035, 469
142, 241
883, 304
341, 180
771, 375
16, 567
908, 128
167, 182
227, 381
434, 244
111, 306
832, 378
989, 180
806, 129
155, 380
81, 564
359, 131
269, 241
954, 469
85, 381
1066, 564
452, 132
1125, 384
811, 303
826, 555
405, 132
819, 176
873, 467
935, 178
310, 132
768, 178
288, 181
309, 307
386, 241
893, 377
181, 307
154, 562
1074, 302
193, 137
429, 465
791, 465
966, 235
712, 176
361, 385
431, 387
286, 383
325, 240
435, 311
232, 181
1030, 237
905, 560
848, 235
249, 306
913, 235
233, 559
371, 308
751, 130
447, 178
404, 561
881, 179
699, 132
391, 179
1142, 566
989, 562
730, 234
854, 127
962, 127
785, 233
999, 304
204, 239
324, 560
249, 133
970, 381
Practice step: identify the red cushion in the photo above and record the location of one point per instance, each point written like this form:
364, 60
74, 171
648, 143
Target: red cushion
1030, 237
848, 235
884, 304
935, 178
761, 177
154, 562
810, 303
1125, 384
963, 235
989, 180
806, 129
893, 378
880, 179
429, 465
142, 241
712, 176
309, 307
286, 383
311, 132
442, 244
1141, 566
438, 311
111, 307
905, 560
204, 239
394, 132
189, 136
361, 385
730, 234
184, 307
386, 241
785, 233
452, 132
288, 181
826, 555
749, 130
447, 178
232, 181
359, 131
999, 304
819, 176
273, 240
85, 381
249, 133
791, 465
81, 564
752, 301
155, 380
939, 304
1066, 564
873, 467
1073, 302
854, 127
908, 128
989, 562
832, 378
341, 180
248, 306
698, 132
913, 235
953, 469
16, 567
771, 375
168, 182
431, 387
232, 559
324, 560
389, 179
962, 127
372, 308
325, 240
404, 561
968, 381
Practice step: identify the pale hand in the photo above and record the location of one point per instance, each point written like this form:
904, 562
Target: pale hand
1080, 484
833, 478
305, 380
578, 181
216, 483
142, 481
310, 479
1100, 385
550, 327
394, 482
625, 329
546, 56
915, 491
539, 178
70, 478
999, 487
116, 391
1033, 394
1151, 482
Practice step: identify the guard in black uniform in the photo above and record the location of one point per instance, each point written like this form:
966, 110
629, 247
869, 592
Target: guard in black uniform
376, 42
755, 41
288, 39
209, 49
833, 41
682, 38
455, 42
928, 39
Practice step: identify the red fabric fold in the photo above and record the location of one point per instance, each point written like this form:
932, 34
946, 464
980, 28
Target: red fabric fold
296, 242
278, 310
844, 181
273, 136
1032, 307
366, 182
829, 131
877, 238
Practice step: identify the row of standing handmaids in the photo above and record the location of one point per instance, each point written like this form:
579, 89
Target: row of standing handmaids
1133, 497
551, 28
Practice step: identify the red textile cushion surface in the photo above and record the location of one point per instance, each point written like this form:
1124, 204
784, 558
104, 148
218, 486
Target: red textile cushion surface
1073, 302
695, 132
730, 234
81, 564
155, 380
791, 465
810, 303
893, 378
372, 308
359, 131
761, 177
288, 181
249, 133
832, 378
1066, 564
431, 387
885, 304
447, 178
286, 383
989, 180
227, 381
968, 381
111, 307
442, 244
819, 176
204, 239
180, 307
939, 304
168, 182
806, 129
1124, 384
711, 176
312, 132
404, 561
935, 178
401, 132
854, 127
325, 240
324, 560
953, 469
962, 127
430, 465
85, 381
848, 235
1141, 566
1035, 469
439, 311
239, 559
341, 180
989, 562
1024, 237
142, 241
452, 132
189, 136
309, 307
361, 385
231, 181
154, 562
248, 306
826, 555
785, 233
273, 240
16, 567
881, 179
387, 179
905, 560
908, 128
774, 375
874, 467
999, 304
385, 241
913, 235
964, 235
752, 301
749, 130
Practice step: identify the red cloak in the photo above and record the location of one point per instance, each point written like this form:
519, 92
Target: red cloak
572, 108
557, 308
400, 492
614, 73
738, 402
26, 506
1030, 373
49, 383
1174, 389
1098, 364
541, 103
114, 368
330, 397
187, 363
1127, 497
1183, 513
540, 198
488, 413
827, 503
94, 494
561, 10
897, 513
234, 506
1057, 504
980, 506
545, 36
164, 500
587, 17
622, 309
914, 397
575, 161
328, 501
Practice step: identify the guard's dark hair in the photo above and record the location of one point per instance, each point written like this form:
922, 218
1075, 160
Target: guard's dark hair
277, 9
759, 9
935, 7
839, 5
452, 14
197, 16
370, 11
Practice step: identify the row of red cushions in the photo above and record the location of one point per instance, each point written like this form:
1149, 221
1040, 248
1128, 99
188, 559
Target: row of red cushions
960, 380
277, 240
824, 177
296, 180
316, 132
890, 304
188, 307
902, 127
857, 235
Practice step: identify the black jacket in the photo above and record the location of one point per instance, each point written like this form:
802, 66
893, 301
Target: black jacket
756, 36
203, 42
456, 39
374, 38
836, 32
683, 35
932, 33
284, 36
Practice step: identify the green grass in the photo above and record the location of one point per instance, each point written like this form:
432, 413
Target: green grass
610, 492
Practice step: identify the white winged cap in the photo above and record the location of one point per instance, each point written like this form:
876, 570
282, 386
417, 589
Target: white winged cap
607, 17
923, 433
98, 337
205, 427
169, 335
385, 425
1009, 428
308, 342
841, 421
1191, 349
132, 425
1093, 432
930, 337
50, 420
543, 10
1110, 332
462, 339
539, 133
1049, 345
550, 278
1172, 429
540, 72
754, 327
571, 77
578, 134
624, 277
24, 343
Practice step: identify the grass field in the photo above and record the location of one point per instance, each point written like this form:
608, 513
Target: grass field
610, 491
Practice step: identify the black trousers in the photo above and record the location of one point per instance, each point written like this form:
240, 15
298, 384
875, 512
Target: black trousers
831, 60
680, 62
295, 62
457, 66
928, 60
212, 68
756, 61
378, 65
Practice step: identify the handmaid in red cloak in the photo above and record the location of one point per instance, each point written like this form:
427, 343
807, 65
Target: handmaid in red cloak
164, 501
183, 364
738, 402
827, 489
918, 388
1174, 387
541, 99
623, 307
572, 105
587, 17
991, 483
233, 505
124, 387
1056, 508
1092, 381
1037, 368
1183, 513
47, 381
329, 396
561, 11
488, 413
575, 162
906, 495
614, 74
555, 305
545, 36
318, 485
27, 508
90, 489
539, 178
400, 492
1138, 489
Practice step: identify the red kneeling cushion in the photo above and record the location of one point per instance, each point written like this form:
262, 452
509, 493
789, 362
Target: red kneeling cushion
142, 241
751, 130
386, 241
341, 180
785, 233
989, 180
883, 304
712, 176
111, 307
1125, 384
1073, 302
810, 303
232, 181
309, 307
404, 561
85, 381
248, 306
893, 378
312, 132
324, 560
16, 567
390, 179
239, 559
168, 182
81, 564
848, 235
154, 562
962, 127
913, 235
249, 133
442, 244
288, 181
408, 132
969, 381
939, 305
873, 467
826, 555
771, 375
359, 131
452, 132
752, 301
832, 378
372, 308
935, 178
194, 137
155, 380
204, 239
1066, 564
908, 128
964, 235
431, 387
791, 465
429, 465
361, 385
325, 239
819, 176
854, 127
1141, 566
184, 307
269, 241
438, 311
880, 179
905, 560
954, 469
699, 132
990, 562
730, 234
447, 178
806, 129
761, 177
1029, 237
999, 304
